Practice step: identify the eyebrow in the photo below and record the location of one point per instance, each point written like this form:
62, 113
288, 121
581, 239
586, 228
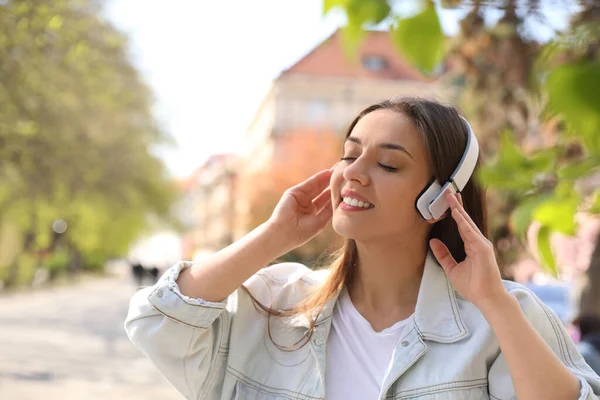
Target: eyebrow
390, 146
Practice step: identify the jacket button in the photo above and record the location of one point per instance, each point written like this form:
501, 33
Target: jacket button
404, 343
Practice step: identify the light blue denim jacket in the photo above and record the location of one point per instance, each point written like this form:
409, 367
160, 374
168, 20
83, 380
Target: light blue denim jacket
227, 351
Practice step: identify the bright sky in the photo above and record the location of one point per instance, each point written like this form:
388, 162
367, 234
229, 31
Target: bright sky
210, 63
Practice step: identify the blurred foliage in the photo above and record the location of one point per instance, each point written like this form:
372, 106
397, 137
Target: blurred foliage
290, 168
76, 131
534, 107
57, 263
428, 52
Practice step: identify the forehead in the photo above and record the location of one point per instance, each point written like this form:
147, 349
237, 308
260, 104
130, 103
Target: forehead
391, 127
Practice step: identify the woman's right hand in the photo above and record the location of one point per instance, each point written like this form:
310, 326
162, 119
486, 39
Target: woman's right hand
304, 210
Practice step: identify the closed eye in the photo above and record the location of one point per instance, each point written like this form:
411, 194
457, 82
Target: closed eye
387, 168
383, 166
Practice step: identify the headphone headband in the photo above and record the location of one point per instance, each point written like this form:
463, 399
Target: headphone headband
431, 203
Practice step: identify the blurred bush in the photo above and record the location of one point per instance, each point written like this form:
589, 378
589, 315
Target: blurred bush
77, 136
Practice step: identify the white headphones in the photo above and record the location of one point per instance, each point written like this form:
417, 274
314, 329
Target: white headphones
431, 202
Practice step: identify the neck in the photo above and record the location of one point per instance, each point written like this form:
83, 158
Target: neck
386, 280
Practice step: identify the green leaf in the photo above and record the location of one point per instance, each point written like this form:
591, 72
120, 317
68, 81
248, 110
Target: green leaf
352, 36
420, 38
515, 171
361, 15
574, 91
595, 208
26, 128
576, 170
545, 251
508, 172
558, 213
522, 216
328, 5
367, 11
55, 23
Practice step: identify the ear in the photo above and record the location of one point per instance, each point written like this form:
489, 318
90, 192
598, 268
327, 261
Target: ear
434, 221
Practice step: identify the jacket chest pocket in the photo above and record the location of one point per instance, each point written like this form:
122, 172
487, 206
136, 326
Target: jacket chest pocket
461, 390
247, 391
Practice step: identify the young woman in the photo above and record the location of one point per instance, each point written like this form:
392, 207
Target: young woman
414, 307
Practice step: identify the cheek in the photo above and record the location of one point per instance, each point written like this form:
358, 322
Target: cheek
337, 180
399, 198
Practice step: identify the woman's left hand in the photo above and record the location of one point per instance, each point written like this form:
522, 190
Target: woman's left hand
477, 277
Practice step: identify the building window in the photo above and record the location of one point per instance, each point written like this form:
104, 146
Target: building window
317, 112
374, 63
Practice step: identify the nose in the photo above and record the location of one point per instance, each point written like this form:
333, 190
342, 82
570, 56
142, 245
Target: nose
356, 172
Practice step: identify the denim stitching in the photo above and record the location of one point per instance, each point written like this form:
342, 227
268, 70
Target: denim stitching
448, 289
217, 363
453, 304
436, 391
416, 357
564, 341
213, 373
457, 319
561, 341
261, 387
559, 337
271, 279
177, 320
455, 385
185, 374
225, 318
451, 384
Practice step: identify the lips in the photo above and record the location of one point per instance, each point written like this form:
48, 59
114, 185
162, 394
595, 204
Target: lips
353, 200
351, 193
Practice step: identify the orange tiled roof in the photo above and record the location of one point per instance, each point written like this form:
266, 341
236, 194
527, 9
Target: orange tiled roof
328, 59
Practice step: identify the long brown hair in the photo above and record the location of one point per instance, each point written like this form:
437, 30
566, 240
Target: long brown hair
445, 136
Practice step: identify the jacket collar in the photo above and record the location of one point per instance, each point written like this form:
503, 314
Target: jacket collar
437, 316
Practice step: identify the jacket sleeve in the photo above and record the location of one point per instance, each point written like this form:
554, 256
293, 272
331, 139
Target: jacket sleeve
552, 330
187, 339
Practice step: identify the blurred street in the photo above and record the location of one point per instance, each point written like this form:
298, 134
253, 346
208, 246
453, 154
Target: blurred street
69, 343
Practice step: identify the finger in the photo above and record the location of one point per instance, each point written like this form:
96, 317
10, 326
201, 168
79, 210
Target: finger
321, 200
460, 200
314, 185
456, 202
442, 254
466, 231
325, 215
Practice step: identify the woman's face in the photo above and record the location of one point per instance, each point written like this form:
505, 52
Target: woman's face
385, 167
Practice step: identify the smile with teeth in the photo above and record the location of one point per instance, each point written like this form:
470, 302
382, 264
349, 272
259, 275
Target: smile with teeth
356, 203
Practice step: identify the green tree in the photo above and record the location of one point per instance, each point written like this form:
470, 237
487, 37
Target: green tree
76, 131
534, 107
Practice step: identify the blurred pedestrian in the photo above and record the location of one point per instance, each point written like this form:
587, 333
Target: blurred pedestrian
138, 271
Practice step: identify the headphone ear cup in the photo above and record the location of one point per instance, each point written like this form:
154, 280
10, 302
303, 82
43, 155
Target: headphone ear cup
424, 199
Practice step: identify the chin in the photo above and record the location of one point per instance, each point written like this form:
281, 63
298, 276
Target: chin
347, 229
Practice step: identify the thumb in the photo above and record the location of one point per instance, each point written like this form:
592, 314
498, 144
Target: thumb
442, 254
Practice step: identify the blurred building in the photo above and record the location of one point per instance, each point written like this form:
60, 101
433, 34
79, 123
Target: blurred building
321, 93
208, 207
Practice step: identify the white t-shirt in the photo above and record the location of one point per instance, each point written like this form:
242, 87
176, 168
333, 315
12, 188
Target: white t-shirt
357, 356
